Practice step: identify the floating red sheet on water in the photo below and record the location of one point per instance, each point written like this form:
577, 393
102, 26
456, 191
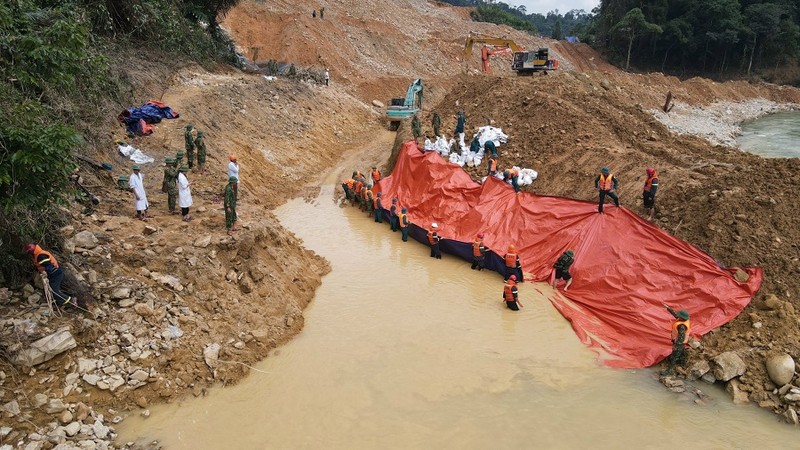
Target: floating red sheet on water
624, 270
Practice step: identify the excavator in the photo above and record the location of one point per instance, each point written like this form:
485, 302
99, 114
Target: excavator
403, 108
493, 46
528, 63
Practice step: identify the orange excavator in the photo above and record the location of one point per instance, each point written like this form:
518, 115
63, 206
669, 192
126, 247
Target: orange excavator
492, 46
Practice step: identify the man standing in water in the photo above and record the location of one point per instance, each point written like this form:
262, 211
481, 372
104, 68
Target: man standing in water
680, 339
394, 224
404, 223
513, 264
378, 208
478, 253
511, 294
433, 240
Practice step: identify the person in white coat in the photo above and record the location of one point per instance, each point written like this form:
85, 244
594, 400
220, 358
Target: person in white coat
136, 185
233, 171
184, 194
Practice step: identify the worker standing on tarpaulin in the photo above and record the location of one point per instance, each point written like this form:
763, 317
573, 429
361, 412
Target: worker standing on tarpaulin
680, 339
433, 240
606, 183
561, 269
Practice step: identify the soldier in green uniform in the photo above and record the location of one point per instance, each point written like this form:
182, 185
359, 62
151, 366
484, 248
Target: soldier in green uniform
201, 151
416, 127
179, 158
171, 184
230, 205
437, 123
187, 135
680, 339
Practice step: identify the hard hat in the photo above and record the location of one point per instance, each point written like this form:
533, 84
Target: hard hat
380, 194
232, 157
29, 248
513, 278
570, 252
404, 210
233, 180
199, 133
480, 235
506, 173
179, 155
683, 314
136, 167
183, 169
189, 127
394, 200
355, 172
651, 171
169, 160
434, 225
604, 170
512, 248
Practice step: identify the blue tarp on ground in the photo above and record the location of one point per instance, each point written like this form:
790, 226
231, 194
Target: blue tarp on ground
137, 120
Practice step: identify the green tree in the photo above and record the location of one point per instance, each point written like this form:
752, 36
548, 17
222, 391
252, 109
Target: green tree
631, 26
557, 33
763, 21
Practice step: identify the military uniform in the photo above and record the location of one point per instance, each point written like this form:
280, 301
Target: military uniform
437, 123
171, 182
230, 203
201, 150
187, 135
416, 127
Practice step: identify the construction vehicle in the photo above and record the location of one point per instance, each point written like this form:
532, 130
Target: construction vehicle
493, 46
403, 108
528, 63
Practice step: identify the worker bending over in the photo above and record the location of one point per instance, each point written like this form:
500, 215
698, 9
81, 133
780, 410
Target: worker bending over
561, 268
47, 264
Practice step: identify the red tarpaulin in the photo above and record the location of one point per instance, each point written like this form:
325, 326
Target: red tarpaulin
624, 269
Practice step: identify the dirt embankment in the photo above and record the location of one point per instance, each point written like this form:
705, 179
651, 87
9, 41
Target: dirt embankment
181, 305
737, 207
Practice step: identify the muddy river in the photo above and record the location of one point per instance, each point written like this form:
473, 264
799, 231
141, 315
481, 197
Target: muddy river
403, 351
773, 136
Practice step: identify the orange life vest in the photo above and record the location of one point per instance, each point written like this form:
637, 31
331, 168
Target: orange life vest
675, 330
359, 185
432, 237
375, 202
402, 218
606, 183
649, 182
50, 258
511, 260
369, 195
477, 248
349, 182
508, 290
376, 175
492, 165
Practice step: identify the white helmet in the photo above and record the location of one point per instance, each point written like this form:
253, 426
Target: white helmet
434, 225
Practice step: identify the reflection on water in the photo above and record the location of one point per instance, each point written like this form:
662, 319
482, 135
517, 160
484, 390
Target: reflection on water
403, 351
773, 136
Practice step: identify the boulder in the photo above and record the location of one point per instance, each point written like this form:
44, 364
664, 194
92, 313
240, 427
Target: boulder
741, 276
39, 400
72, 429
698, 369
772, 302
11, 408
149, 229
46, 349
203, 241
378, 104
86, 365
120, 293
728, 365
780, 368
85, 239
91, 379
82, 411
211, 354
143, 309
140, 375
100, 430
55, 405
737, 394
791, 416
65, 417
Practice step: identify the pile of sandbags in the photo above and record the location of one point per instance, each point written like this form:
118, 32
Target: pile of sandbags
526, 176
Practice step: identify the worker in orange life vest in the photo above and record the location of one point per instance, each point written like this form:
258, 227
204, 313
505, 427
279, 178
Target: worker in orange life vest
492, 163
369, 201
606, 183
649, 192
46, 263
359, 186
478, 253
347, 187
680, 339
511, 294
376, 175
513, 176
433, 240
513, 265
394, 222
379, 208
404, 223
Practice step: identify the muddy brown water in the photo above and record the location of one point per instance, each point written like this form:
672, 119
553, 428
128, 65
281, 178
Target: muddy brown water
403, 351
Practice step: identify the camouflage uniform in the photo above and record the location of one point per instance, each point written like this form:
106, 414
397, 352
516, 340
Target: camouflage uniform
187, 135
437, 123
230, 204
171, 179
201, 149
416, 127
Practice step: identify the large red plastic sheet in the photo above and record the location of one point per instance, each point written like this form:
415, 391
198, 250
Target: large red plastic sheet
624, 270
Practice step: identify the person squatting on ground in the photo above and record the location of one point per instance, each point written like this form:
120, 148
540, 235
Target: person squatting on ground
478, 253
489, 148
649, 192
201, 151
171, 184
184, 194
511, 294
513, 265
136, 185
561, 269
47, 264
434, 239
513, 176
230, 206
394, 222
606, 183
680, 339
436, 123
404, 223
189, 145
379, 208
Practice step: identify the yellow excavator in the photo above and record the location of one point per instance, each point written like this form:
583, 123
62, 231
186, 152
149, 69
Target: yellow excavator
499, 46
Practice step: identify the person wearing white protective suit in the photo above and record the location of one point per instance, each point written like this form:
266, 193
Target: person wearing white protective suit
184, 194
136, 185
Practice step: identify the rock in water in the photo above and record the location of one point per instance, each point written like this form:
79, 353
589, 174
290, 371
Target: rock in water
211, 354
739, 396
728, 365
780, 369
85, 239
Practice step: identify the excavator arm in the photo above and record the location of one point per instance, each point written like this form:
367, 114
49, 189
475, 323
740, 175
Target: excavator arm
475, 38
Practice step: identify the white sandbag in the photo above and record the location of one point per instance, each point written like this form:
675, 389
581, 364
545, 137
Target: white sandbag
134, 154
428, 145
